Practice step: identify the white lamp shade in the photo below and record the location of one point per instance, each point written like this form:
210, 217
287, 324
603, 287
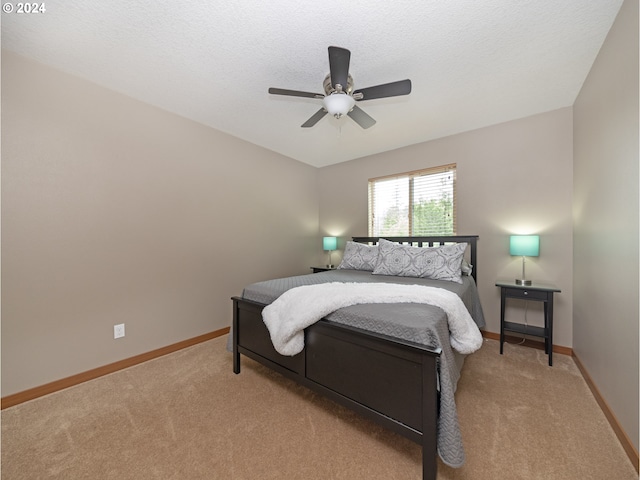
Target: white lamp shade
338, 104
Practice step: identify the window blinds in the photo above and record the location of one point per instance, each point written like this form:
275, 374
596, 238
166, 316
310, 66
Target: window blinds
415, 203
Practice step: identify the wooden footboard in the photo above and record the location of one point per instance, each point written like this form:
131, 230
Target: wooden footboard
389, 381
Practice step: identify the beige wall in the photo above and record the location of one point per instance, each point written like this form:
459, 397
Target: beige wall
606, 239
514, 177
117, 212
114, 211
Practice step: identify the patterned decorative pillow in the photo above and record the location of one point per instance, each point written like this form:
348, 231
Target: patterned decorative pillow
438, 263
359, 256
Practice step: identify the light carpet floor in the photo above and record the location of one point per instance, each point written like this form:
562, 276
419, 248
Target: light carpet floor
187, 416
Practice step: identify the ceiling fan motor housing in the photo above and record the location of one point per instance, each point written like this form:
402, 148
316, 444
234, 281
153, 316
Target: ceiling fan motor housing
329, 89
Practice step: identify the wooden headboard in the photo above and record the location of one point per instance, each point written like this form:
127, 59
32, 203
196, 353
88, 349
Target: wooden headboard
472, 240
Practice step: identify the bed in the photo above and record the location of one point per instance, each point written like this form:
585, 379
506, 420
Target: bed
391, 362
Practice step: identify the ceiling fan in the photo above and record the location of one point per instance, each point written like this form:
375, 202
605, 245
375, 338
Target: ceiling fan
339, 98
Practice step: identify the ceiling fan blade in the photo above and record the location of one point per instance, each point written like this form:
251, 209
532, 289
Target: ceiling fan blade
315, 118
393, 89
339, 66
294, 93
361, 118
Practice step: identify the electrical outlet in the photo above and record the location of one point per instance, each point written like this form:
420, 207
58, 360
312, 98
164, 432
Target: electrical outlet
118, 330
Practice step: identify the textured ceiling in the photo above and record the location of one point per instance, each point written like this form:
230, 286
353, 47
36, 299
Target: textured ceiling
472, 63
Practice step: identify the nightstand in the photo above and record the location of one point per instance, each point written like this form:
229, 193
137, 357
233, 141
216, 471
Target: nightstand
321, 269
538, 292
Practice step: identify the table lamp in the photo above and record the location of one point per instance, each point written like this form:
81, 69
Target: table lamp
330, 244
525, 246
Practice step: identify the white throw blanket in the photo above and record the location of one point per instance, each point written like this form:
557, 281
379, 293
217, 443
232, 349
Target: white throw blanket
297, 308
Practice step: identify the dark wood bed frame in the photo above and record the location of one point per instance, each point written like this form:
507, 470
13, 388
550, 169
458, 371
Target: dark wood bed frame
390, 381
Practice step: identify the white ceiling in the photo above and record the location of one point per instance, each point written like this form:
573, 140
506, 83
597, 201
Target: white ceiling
472, 63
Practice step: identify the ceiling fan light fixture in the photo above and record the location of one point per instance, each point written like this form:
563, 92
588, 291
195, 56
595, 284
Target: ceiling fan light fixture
338, 104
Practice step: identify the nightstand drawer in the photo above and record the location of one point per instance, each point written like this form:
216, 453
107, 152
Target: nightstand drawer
526, 293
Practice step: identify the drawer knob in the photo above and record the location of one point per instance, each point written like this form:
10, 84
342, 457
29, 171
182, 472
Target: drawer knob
526, 293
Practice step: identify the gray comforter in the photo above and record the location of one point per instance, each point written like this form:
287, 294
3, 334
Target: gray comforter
424, 324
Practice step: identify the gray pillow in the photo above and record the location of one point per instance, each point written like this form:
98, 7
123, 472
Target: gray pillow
438, 263
466, 267
359, 256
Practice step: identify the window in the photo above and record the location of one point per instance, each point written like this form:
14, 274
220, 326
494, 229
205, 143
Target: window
416, 203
